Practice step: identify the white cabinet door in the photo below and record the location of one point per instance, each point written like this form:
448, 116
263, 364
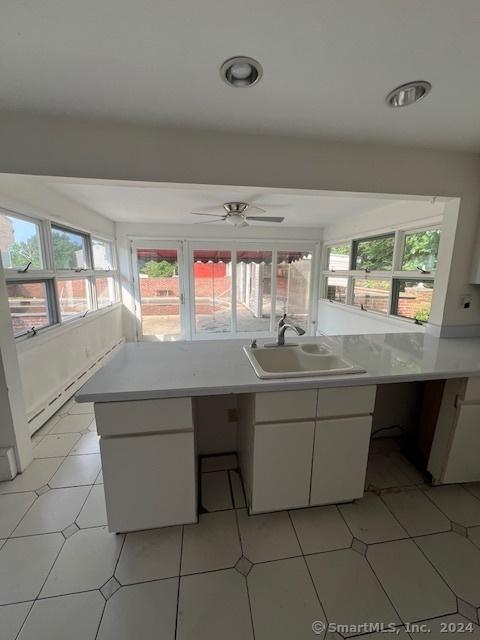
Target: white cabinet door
462, 463
281, 466
149, 481
340, 459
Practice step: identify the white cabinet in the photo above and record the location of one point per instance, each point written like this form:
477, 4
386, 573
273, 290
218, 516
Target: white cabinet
148, 460
282, 458
454, 456
149, 481
301, 448
340, 459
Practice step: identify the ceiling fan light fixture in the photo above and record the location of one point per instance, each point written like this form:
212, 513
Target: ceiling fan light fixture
241, 71
407, 94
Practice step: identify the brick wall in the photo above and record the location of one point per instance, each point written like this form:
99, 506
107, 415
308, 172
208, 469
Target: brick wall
410, 302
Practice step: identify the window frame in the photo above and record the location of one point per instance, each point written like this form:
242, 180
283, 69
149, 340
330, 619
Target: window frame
393, 276
51, 276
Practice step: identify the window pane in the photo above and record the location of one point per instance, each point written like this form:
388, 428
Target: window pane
338, 257
73, 298
254, 281
337, 289
69, 249
293, 285
28, 306
374, 254
105, 288
20, 243
159, 287
212, 278
414, 299
421, 250
371, 294
102, 254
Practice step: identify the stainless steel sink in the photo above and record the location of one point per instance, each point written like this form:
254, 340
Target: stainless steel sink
298, 360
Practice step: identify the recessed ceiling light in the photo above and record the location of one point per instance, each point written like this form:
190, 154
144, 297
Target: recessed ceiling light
241, 71
408, 93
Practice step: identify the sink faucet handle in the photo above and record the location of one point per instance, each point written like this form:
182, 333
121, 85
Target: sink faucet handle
253, 344
282, 320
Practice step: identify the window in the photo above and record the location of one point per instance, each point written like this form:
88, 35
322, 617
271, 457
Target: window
374, 254
38, 257
105, 289
293, 285
413, 299
421, 250
371, 295
73, 298
237, 289
212, 281
337, 289
254, 290
69, 249
20, 243
102, 255
338, 257
392, 274
29, 308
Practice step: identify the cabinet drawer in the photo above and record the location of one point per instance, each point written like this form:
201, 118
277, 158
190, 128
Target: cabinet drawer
285, 405
143, 416
346, 401
282, 466
340, 459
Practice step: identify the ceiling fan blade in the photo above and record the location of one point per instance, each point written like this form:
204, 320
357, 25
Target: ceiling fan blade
265, 218
208, 221
215, 215
253, 207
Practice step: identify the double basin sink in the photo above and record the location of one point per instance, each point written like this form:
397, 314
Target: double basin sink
292, 361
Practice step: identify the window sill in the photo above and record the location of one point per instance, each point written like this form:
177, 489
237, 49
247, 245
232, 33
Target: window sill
26, 342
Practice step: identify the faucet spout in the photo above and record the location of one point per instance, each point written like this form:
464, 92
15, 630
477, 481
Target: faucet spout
283, 326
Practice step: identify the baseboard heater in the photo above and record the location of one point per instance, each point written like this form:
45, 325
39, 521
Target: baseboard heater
38, 418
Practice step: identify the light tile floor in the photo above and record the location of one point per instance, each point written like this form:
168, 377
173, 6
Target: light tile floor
404, 554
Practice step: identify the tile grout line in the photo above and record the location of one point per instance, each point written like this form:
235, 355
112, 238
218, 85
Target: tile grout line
309, 572
245, 577
179, 580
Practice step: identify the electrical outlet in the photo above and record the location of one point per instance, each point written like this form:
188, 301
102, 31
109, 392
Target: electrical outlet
466, 301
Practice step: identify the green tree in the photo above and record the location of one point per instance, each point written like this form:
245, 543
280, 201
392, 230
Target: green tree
421, 250
375, 254
21, 253
162, 269
64, 251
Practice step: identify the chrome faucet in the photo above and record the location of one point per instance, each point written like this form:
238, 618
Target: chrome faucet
283, 326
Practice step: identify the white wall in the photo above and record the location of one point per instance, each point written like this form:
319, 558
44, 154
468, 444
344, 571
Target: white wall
30, 196
335, 319
51, 362
66, 147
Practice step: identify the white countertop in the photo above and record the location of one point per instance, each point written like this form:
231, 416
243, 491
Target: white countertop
144, 370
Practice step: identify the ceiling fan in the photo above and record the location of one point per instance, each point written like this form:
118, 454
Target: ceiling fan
237, 213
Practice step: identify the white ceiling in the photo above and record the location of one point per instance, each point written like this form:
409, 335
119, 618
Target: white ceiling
328, 64
172, 204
